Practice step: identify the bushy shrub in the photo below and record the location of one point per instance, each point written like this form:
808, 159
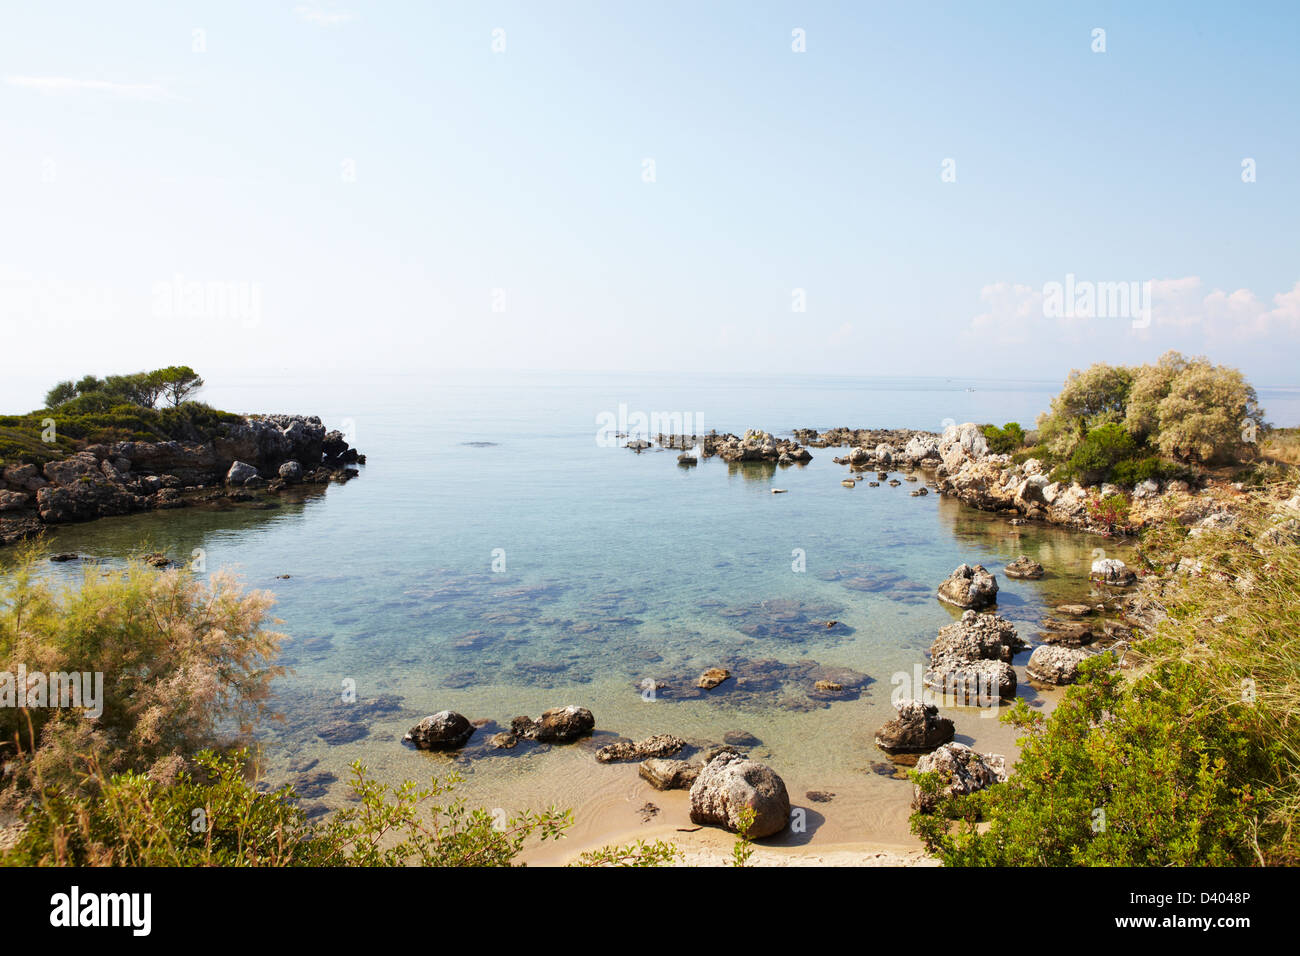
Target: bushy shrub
1100, 451
210, 816
1192, 757
184, 664
1152, 467
1180, 407
1005, 440
1153, 775
1094, 397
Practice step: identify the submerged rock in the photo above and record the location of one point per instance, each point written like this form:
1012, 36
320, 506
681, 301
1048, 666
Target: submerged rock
969, 587
660, 745
445, 730
712, 677
668, 774
917, 728
1024, 567
730, 783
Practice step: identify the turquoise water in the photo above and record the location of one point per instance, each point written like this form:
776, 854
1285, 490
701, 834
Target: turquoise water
619, 568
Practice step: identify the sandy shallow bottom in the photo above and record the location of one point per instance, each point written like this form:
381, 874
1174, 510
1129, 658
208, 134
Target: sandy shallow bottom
864, 824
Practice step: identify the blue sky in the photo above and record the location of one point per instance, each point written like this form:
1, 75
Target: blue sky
372, 185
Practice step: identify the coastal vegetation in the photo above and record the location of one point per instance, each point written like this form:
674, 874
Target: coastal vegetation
92, 410
186, 663
1190, 754
163, 775
1128, 424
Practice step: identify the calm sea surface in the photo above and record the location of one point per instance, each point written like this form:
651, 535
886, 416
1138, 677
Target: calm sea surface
619, 569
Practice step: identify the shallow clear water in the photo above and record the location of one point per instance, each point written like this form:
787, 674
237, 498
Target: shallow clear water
619, 568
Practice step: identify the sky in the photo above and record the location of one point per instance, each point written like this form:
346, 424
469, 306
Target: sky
849, 189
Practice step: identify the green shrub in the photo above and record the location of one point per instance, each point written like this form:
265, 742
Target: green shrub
1005, 440
1101, 450
1159, 774
210, 816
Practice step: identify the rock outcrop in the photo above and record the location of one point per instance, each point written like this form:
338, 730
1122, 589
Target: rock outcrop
1055, 664
131, 476
969, 587
445, 730
559, 725
730, 783
961, 771
918, 728
657, 746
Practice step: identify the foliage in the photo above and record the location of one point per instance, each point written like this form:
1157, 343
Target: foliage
743, 848
1185, 408
640, 854
176, 382
1096, 396
1096, 456
1134, 471
1193, 757
1005, 440
99, 418
1158, 774
1112, 512
183, 662
210, 816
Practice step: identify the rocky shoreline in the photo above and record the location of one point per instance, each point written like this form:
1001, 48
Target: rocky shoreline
261, 455
958, 463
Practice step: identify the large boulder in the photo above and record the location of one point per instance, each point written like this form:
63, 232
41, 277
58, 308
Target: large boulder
961, 771
445, 730
1056, 664
559, 725
969, 587
980, 683
918, 728
291, 472
23, 478
730, 783
240, 472
978, 637
66, 472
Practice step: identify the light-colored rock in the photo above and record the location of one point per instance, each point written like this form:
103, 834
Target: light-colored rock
961, 770
730, 783
969, 587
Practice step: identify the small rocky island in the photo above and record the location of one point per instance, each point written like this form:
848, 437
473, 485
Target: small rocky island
240, 459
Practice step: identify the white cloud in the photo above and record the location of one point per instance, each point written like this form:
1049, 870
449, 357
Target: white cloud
55, 85
322, 18
1013, 312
